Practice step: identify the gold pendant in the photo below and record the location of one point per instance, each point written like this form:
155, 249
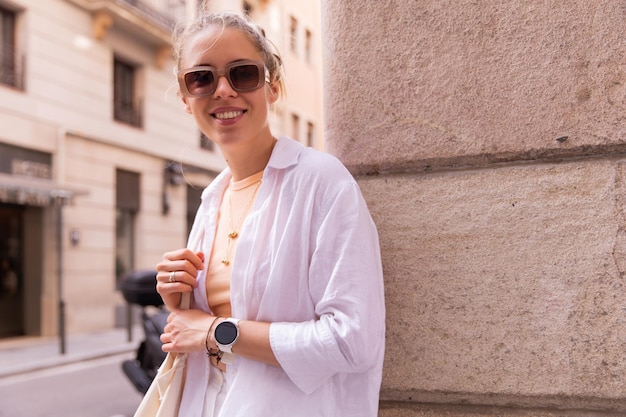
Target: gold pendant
225, 261
233, 234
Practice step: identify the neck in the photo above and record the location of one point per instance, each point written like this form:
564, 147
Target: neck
247, 161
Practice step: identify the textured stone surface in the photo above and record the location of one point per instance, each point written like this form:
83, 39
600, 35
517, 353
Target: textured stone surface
418, 85
494, 141
504, 285
430, 410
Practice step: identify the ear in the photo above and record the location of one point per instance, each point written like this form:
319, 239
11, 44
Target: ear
185, 102
274, 92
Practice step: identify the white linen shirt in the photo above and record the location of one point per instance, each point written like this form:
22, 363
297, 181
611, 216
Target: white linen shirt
308, 262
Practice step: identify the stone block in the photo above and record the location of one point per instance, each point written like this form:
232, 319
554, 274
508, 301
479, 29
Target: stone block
447, 84
505, 286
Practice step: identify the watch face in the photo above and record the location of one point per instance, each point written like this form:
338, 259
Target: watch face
225, 333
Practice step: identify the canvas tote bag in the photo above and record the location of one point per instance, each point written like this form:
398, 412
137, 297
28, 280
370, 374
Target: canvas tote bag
166, 390
163, 396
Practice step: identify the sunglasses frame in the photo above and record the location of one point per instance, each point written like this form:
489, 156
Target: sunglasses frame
264, 77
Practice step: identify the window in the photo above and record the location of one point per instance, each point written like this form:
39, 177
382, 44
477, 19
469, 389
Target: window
126, 105
293, 35
127, 206
9, 64
295, 126
310, 134
247, 8
308, 46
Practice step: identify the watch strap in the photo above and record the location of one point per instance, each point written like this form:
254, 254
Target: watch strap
227, 357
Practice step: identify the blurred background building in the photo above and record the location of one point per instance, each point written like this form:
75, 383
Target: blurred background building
100, 167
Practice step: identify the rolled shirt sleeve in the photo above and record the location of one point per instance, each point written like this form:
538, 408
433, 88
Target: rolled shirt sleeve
345, 282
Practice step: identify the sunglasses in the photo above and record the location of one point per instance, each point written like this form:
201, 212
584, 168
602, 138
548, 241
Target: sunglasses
242, 76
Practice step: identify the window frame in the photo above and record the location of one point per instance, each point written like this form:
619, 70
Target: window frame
293, 34
127, 208
11, 61
308, 46
127, 106
295, 126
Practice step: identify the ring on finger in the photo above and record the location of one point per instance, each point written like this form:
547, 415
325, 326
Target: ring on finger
172, 276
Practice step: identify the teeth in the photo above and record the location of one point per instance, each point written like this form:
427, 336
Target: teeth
228, 115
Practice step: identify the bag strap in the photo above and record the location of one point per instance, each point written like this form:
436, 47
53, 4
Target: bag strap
185, 301
194, 242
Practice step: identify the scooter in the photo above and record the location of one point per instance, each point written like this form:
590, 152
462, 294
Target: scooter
139, 288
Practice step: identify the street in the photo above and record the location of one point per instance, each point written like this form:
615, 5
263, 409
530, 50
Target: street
96, 388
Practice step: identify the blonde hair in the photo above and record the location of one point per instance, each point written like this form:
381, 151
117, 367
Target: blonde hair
245, 25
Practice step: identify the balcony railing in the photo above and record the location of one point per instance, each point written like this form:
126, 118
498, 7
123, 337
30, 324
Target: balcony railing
12, 67
164, 12
128, 113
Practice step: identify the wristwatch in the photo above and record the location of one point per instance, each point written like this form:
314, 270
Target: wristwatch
226, 334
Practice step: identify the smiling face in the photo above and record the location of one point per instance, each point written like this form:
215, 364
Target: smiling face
231, 119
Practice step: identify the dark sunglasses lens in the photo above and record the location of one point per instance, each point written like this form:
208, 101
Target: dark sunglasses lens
245, 77
200, 82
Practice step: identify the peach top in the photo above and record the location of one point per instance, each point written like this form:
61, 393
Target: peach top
237, 201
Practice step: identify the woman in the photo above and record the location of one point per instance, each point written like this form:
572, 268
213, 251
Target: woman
288, 314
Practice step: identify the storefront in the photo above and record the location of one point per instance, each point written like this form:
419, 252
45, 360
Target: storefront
31, 205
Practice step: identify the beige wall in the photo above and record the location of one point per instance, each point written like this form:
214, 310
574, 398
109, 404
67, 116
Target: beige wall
89, 267
69, 87
488, 138
66, 110
303, 74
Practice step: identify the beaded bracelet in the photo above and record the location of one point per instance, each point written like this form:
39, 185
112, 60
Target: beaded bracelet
209, 352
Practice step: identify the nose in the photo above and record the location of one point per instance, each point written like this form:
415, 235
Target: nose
223, 88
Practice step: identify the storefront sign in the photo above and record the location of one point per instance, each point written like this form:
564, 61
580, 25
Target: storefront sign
25, 162
40, 198
30, 168
28, 182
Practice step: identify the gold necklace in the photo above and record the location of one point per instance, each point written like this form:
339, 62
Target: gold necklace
234, 234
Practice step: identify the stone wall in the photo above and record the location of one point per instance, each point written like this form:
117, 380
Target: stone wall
489, 140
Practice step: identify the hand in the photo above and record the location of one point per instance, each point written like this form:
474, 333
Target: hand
176, 274
186, 331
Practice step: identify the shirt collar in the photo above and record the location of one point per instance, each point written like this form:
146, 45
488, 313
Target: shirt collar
285, 153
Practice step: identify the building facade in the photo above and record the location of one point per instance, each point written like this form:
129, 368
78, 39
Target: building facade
100, 167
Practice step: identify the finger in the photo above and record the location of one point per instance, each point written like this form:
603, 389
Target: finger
200, 256
171, 293
197, 260
168, 277
176, 265
185, 254
173, 271
176, 254
174, 277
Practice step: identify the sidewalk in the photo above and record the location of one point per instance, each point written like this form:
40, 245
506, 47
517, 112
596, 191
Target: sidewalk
26, 354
